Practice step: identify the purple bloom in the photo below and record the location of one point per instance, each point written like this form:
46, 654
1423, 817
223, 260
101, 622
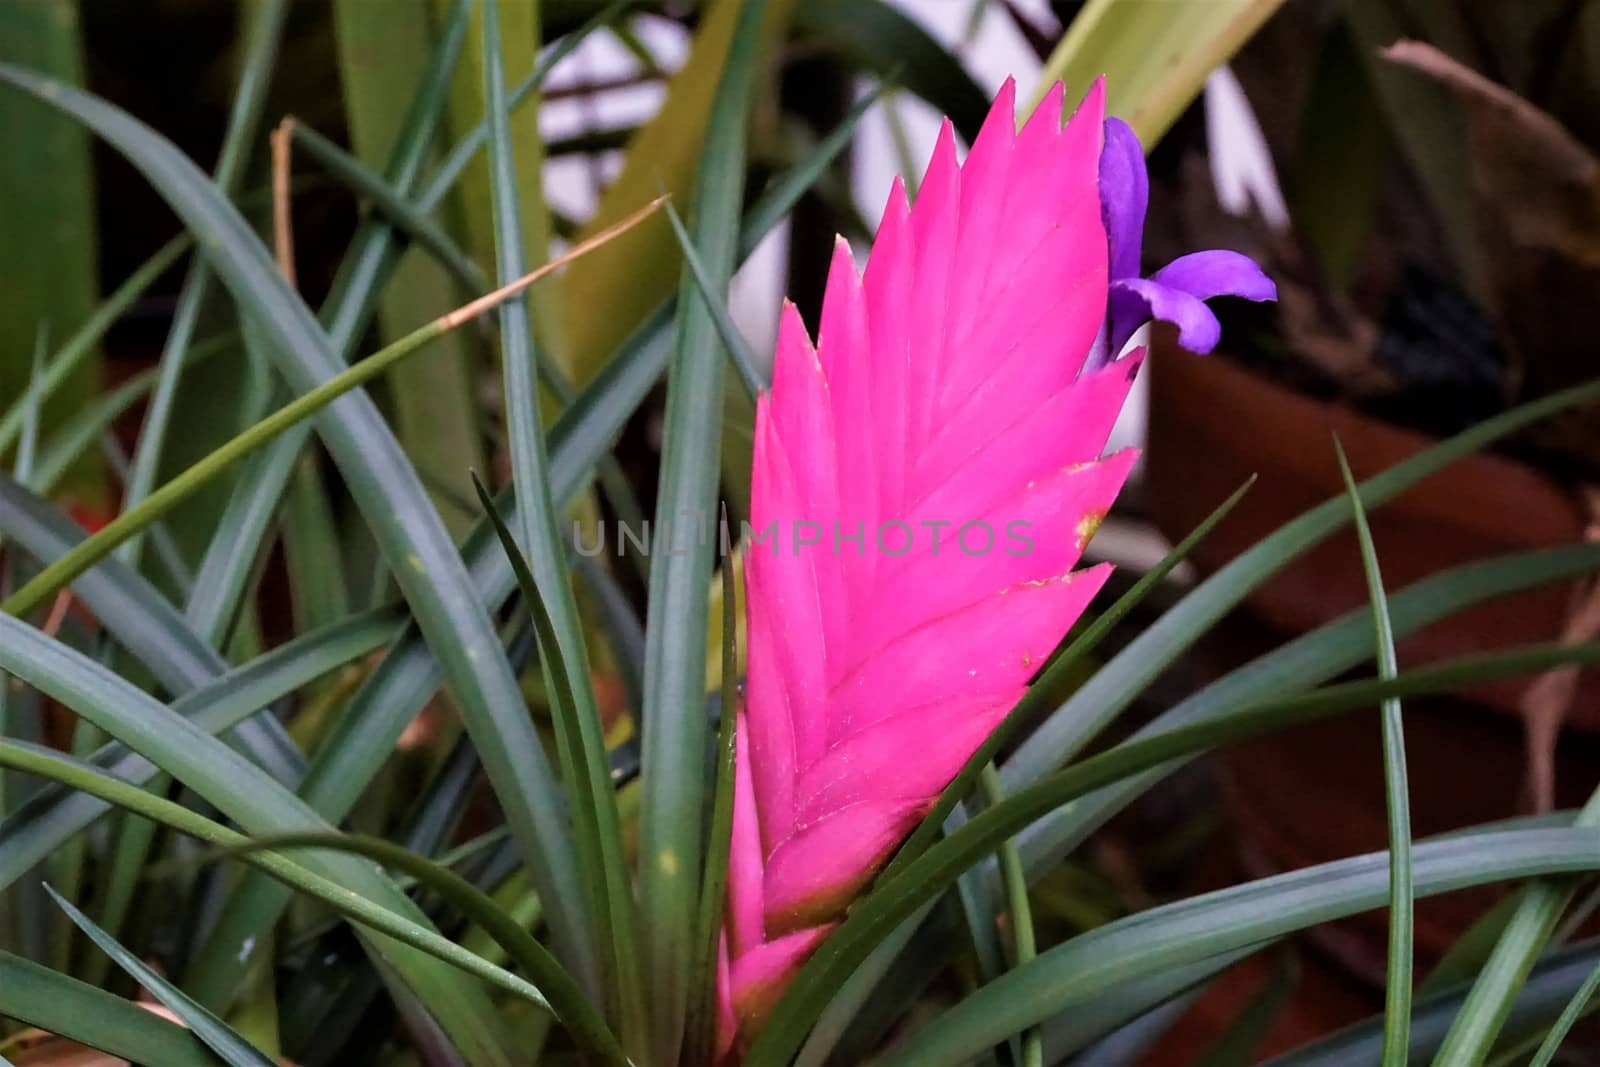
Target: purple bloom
1177, 292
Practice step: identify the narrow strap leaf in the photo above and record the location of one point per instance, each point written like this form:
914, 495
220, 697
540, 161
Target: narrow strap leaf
218, 1035
1397, 991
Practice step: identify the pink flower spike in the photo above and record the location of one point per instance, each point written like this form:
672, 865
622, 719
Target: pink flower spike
924, 481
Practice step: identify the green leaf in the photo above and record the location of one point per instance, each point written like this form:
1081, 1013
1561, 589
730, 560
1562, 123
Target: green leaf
1132, 1003
1127, 674
732, 340
702, 1017
47, 232
70, 358
141, 620
389, 496
119, 531
671, 826
1198, 927
312, 555
52, 815
418, 548
86, 427
237, 540
1019, 913
1548, 989
37, 996
1314, 657
893, 898
1397, 987
466, 149
247, 795
1576, 1007
568, 1001
1476, 1027
1155, 57
590, 786
879, 38
401, 212
664, 155
217, 1035
260, 56
389, 59
407, 675
339, 894
1470, 951
547, 588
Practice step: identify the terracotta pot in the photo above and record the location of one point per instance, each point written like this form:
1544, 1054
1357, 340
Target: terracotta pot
1213, 424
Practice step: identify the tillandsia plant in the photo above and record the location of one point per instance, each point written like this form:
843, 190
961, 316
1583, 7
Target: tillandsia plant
349, 766
960, 387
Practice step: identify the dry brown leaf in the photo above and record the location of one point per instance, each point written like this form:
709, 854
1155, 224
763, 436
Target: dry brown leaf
1542, 179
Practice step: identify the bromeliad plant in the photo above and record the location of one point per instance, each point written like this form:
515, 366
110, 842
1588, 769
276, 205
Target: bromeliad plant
913, 725
962, 382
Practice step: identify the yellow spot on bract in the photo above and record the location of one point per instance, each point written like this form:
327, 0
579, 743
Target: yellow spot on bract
472, 654
667, 860
1088, 525
1027, 659
416, 563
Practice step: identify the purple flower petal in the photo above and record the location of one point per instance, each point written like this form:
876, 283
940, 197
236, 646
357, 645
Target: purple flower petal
1124, 196
1217, 273
1136, 301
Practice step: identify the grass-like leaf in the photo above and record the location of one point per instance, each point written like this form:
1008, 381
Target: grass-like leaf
547, 588
894, 898
85, 428
141, 620
589, 784
732, 340
259, 57
390, 497
1397, 989
336, 893
52, 815
1308, 660
1198, 927
1128, 1003
247, 795
1575, 1009
1019, 913
37, 996
880, 38
408, 674
1549, 988
80, 347
702, 1017
671, 824
238, 539
1477, 1026
64, 570
1127, 674
567, 1000
402, 213
1155, 57
217, 1035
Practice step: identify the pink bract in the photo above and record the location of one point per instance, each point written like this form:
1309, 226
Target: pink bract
944, 388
